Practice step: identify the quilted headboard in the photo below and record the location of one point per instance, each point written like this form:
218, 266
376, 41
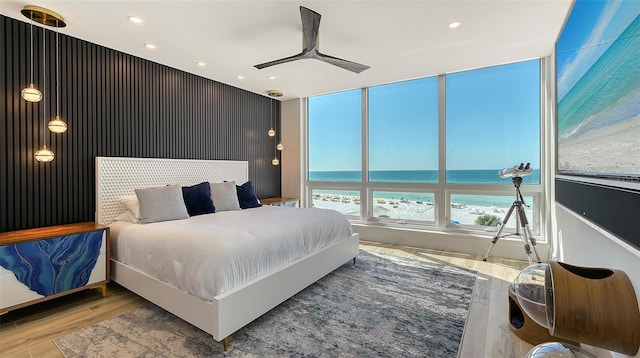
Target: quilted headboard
117, 177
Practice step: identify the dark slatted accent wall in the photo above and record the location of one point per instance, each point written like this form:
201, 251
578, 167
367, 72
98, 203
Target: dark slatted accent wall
115, 105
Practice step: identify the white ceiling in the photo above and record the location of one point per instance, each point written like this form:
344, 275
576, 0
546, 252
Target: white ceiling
400, 40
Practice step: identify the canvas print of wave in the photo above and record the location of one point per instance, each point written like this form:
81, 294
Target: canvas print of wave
598, 89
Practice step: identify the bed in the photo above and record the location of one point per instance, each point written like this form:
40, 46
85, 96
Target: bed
221, 309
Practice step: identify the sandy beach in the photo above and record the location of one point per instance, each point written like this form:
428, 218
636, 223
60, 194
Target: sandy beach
413, 210
614, 149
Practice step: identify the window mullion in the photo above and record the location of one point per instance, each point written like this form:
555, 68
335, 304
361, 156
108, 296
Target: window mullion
365, 203
443, 207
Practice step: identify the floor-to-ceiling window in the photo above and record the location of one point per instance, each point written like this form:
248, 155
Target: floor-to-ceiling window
335, 150
427, 152
492, 121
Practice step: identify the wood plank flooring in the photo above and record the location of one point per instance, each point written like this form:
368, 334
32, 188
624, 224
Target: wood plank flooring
29, 332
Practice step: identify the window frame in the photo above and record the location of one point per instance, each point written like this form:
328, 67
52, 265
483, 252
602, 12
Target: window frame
441, 191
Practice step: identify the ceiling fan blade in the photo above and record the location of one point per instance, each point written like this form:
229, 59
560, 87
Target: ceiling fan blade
310, 26
347, 65
282, 60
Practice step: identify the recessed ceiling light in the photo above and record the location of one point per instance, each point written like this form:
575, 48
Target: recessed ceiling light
200, 63
455, 24
150, 46
240, 77
272, 77
135, 19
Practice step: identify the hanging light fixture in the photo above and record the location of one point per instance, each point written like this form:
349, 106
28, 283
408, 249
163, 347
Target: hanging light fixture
30, 93
47, 18
275, 160
57, 125
271, 132
44, 154
279, 146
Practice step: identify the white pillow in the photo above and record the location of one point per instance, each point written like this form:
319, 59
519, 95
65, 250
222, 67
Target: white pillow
133, 206
224, 196
162, 203
127, 215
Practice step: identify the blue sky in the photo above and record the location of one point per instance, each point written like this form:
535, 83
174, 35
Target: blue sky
492, 123
587, 34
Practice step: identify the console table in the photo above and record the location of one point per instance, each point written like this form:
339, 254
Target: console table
44, 263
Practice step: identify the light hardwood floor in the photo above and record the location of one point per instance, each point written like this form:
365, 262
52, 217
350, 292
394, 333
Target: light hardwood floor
30, 331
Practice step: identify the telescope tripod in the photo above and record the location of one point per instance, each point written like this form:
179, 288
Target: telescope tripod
521, 223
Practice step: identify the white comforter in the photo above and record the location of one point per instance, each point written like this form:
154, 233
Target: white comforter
209, 254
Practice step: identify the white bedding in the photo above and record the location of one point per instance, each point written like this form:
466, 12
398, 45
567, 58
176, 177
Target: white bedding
209, 254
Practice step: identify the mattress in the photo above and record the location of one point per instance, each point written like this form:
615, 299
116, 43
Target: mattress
209, 254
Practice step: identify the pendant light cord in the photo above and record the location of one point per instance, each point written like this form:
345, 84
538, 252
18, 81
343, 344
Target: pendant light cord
57, 72
31, 30
44, 87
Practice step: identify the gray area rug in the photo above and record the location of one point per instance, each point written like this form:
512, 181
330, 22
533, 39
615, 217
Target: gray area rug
384, 306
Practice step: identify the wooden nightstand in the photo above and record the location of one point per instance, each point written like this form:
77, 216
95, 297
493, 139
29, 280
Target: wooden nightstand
288, 202
44, 263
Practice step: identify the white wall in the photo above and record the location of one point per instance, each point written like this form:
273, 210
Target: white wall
581, 243
291, 160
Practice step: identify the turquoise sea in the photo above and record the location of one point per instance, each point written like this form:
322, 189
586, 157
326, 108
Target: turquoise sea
608, 93
487, 176
484, 176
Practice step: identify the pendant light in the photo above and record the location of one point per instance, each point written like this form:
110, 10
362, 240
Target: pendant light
30, 93
279, 146
57, 125
275, 160
44, 154
271, 132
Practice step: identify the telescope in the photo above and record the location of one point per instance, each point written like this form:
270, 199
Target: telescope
516, 171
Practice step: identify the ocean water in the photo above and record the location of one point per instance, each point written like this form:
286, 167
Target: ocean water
485, 176
488, 176
609, 91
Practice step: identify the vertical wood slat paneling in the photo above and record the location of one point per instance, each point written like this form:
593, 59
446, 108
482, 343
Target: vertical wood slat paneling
5, 128
115, 105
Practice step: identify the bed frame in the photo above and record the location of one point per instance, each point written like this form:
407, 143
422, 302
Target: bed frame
233, 309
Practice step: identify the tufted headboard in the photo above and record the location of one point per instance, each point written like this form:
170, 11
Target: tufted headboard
117, 177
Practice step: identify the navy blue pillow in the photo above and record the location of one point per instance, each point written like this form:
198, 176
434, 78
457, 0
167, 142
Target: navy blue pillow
197, 199
247, 196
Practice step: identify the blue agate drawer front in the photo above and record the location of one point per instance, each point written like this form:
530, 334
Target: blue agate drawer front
53, 265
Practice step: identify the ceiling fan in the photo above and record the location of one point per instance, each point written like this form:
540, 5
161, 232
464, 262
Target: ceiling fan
310, 25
